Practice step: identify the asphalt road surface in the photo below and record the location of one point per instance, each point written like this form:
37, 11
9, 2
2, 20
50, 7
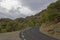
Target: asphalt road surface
34, 34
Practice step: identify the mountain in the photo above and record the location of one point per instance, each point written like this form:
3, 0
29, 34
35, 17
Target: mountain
50, 19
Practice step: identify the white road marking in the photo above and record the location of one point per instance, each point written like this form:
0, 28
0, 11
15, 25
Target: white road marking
23, 36
24, 39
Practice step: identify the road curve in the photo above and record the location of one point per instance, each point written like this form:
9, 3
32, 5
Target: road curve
34, 34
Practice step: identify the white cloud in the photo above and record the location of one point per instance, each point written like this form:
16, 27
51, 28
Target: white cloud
26, 11
14, 5
8, 4
17, 8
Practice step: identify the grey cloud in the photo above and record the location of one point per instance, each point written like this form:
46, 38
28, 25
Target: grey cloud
16, 14
36, 4
12, 14
0, 0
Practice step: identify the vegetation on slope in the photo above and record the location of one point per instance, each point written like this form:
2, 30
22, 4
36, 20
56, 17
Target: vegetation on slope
51, 20
9, 25
52, 13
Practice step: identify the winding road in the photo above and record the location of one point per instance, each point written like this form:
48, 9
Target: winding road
34, 34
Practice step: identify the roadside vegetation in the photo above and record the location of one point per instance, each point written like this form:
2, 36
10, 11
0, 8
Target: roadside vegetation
9, 25
51, 20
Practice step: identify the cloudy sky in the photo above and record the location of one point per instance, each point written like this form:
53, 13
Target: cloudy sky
22, 8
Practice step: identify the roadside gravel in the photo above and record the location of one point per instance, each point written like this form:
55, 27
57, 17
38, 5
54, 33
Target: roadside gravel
10, 36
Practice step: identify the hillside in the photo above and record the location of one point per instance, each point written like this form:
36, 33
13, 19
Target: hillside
51, 20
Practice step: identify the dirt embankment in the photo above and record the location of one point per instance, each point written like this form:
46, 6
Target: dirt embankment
51, 29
